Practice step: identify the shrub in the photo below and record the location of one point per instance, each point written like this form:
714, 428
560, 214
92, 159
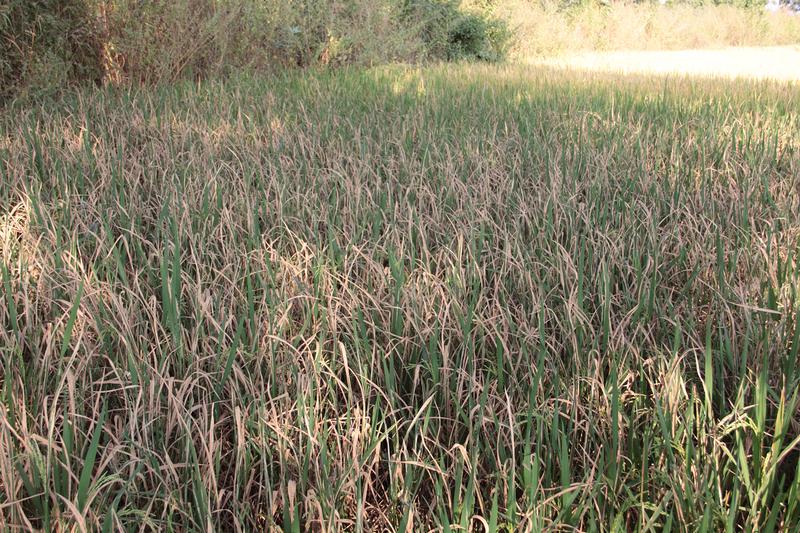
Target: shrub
161, 40
47, 44
451, 32
477, 37
52, 43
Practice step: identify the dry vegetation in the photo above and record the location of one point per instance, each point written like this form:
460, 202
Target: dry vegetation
771, 63
542, 28
458, 298
49, 45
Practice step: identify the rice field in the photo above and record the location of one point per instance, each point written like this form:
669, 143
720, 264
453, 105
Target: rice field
458, 298
779, 63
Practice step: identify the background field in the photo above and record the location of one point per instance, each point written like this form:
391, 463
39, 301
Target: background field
458, 297
767, 62
49, 46
547, 27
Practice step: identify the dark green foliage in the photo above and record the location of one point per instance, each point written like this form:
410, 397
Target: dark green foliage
451, 33
477, 37
434, 19
47, 44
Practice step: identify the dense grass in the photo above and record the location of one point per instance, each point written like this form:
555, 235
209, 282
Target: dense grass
460, 298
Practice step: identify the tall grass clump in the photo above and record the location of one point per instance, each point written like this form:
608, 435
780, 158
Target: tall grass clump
458, 298
163, 41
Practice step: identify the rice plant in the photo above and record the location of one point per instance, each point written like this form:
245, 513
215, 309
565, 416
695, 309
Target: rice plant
459, 298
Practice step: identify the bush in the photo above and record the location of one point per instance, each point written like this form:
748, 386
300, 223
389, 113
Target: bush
477, 37
453, 33
163, 40
154, 41
47, 44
